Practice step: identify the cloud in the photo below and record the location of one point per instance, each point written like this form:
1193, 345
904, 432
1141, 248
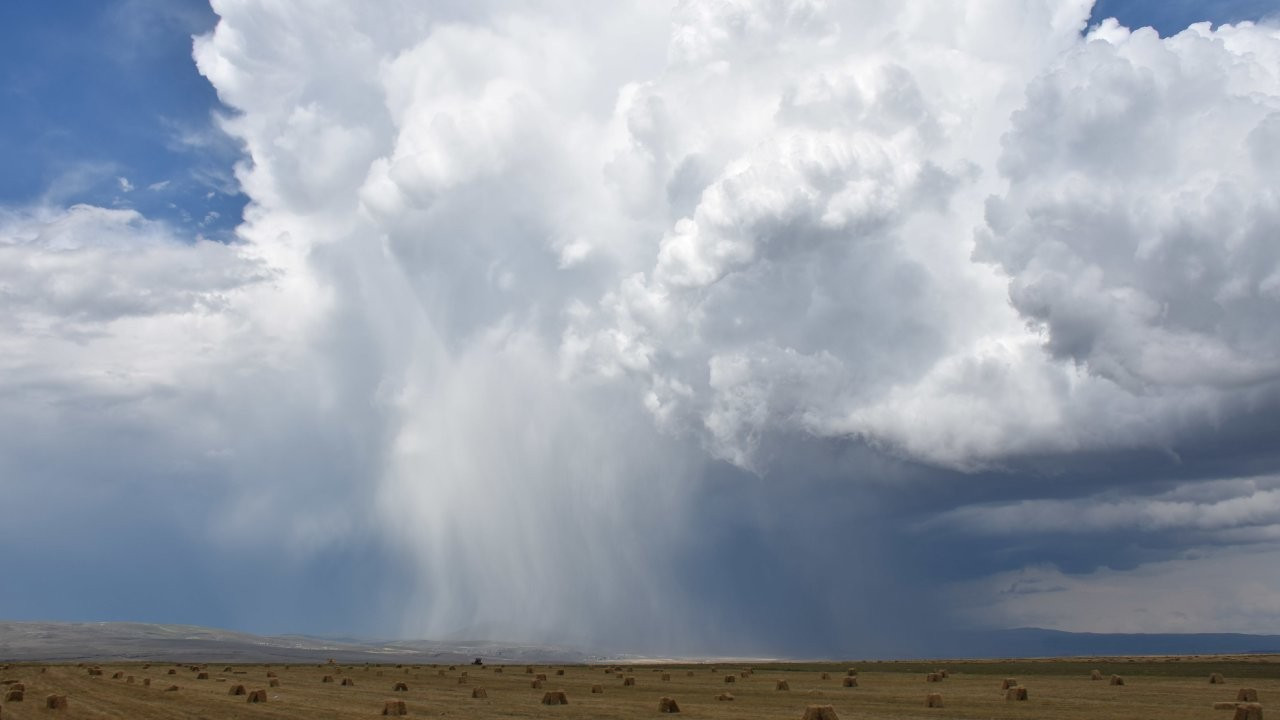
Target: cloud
616, 311
1136, 230
90, 266
1231, 505
1222, 590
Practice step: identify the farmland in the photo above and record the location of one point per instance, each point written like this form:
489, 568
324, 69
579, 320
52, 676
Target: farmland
1166, 688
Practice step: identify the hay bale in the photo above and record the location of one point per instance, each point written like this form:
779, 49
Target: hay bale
13, 696
98, 671
744, 674
171, 688
348, 682
535, 684
1216, 679
1246, 695
400, 687
820, 712
1117, 680
462, 680
226, 669
730, 678
55, 702
597, 689
826, 676
608, 671
271, 673
257, 696
326, 678
1008, 683
128, 679
541, 676
933, 700
724, 697
394, 707
117, 675
171, 672
528, 671
668, 705
933, 677
853, 672
666, 677
850, 681
1095, 675
146, 682
1248, 711
629, 681
1224, 706
1015, 693
782, 685
479, 694
560, 672
202, 676
237, 690
944, 674
273, 682
555, 697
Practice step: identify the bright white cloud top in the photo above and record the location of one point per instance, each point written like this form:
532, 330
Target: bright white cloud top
515, 278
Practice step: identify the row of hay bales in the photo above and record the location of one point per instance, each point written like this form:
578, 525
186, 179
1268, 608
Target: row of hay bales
17, 692
1246, 706
253, 696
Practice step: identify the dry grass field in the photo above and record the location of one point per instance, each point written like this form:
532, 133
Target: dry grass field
1164, 688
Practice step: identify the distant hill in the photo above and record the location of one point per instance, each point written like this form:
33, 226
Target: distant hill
82, 642
76, 642
1038, 642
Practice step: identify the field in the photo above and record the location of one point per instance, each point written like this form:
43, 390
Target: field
1164, 688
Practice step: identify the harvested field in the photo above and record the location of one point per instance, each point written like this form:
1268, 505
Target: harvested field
1058, 690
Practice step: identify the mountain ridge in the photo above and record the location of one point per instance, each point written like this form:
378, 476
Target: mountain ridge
103, 641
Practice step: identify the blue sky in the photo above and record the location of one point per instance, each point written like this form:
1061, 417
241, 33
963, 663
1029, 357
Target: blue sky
691, 329
1174, 15
98, 91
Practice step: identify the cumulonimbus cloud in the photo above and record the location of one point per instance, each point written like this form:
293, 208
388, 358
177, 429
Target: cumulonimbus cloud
540, 265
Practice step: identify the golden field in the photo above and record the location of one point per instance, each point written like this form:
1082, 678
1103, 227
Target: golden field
1163, 688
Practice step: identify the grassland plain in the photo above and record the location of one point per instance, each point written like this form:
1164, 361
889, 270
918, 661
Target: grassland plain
1165, 688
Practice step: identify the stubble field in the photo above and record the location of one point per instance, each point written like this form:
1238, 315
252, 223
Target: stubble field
1164, 688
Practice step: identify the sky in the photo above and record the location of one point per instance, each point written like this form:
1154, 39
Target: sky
784, 327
